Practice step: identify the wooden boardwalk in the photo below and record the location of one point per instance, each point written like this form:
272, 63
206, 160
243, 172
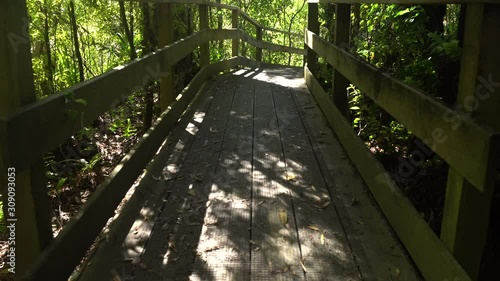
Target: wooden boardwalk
251, 185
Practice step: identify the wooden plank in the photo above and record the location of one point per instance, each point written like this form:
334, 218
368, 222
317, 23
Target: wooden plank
270, 46
204, 49
326, 253
378, 252
48, 120
275, 248
431, 256
342, 39
166, 37
461, 142
31, 216
129, 231
313, 26
465, 226
172, 248
405, 2
224, 248
63, 254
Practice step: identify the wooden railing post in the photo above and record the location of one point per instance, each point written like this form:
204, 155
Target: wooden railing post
467, 210
204, 50
31, 216
342, 30
312, 25
258, 54
235, 24
166, 37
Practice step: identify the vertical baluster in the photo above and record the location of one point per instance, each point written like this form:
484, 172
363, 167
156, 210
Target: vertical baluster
342, 30
204, 50
259, 39
467, 210
312, 25
235, 24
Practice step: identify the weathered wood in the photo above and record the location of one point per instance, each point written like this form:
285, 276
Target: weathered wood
275, 248
466, 217
270, 46
258, 54
129, 231
313, 26
59, 259
49, 120
325, 250
173, 246
166, 37
224, 248
444, 130
378, 253
204, 51
235, 24
342, 32
32, 216
431, 256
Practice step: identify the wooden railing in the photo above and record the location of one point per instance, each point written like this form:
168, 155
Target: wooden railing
469, 145
29, 128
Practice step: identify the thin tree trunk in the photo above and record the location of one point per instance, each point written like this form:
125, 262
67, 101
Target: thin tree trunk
76, 42
356, 10
49, 68
128, 33
149, 45
219, 25
290, 29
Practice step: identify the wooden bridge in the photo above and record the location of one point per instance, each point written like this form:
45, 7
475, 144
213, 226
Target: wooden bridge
255, 174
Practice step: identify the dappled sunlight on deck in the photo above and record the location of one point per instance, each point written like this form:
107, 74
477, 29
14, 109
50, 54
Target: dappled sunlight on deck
243, 196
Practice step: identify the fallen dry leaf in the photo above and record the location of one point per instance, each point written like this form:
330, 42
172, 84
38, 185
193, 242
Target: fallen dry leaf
252, 242
290, 176
303, 266
313, 228
283, 217
326, 204
322, 239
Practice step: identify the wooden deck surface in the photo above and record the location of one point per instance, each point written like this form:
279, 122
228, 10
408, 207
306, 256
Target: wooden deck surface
251, 185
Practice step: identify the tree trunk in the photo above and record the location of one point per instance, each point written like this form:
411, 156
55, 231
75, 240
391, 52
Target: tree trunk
356, 10
219, 25
149, 45
128, 32
290, 29
49, 68
74, 30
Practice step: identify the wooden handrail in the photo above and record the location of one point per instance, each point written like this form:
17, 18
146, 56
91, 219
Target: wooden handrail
420, 113
472, 136
47, 121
